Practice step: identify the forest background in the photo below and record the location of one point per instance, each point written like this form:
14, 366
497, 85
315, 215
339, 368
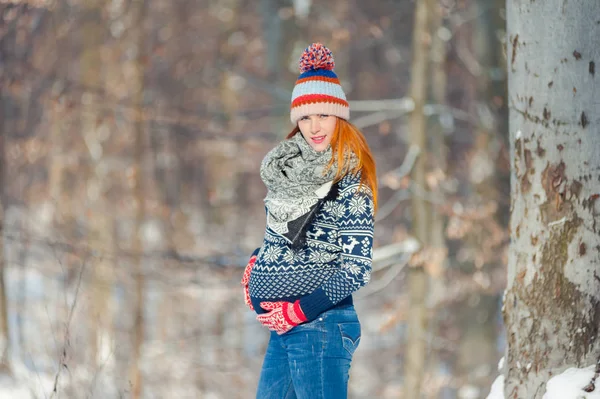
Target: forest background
131, 136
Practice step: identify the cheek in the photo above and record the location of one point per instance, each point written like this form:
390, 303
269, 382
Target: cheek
303, 129
331, 129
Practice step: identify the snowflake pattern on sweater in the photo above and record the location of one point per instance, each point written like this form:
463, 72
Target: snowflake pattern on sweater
334, 262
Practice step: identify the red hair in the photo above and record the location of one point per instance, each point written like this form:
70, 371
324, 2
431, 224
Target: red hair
348, 139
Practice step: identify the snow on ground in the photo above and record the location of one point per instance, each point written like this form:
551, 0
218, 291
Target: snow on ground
13, 391
25, 384
568, 385
497, 391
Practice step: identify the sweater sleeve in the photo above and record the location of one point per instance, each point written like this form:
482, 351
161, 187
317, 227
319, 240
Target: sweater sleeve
356, 225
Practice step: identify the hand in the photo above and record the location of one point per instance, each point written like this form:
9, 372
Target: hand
245, 279
282, 316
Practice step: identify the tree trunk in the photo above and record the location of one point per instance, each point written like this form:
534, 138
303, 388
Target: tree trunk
4, 335
281, 38
421, 209
552, 300
477, 348
438, 55
139, 9
438, 159
100, 226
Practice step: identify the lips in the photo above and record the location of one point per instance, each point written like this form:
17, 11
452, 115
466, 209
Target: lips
318, 139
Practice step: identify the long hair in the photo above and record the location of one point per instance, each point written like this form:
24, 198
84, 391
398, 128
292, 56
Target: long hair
347, 139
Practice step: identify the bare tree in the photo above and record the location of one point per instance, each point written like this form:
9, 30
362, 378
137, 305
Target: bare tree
418, 279
552, 300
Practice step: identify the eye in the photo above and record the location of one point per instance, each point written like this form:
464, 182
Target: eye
304, 118
323, 116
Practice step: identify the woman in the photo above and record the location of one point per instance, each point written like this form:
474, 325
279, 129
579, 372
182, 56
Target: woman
317, 250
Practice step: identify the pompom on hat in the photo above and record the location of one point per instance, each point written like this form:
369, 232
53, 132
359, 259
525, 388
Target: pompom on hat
318, 89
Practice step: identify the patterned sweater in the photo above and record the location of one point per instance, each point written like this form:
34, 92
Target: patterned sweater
333, 262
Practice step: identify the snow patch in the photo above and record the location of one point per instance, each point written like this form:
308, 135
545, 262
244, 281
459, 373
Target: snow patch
569, 385
25, 383
497, 391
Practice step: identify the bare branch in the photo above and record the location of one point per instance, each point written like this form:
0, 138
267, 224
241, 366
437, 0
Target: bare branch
405, 104
386, 256
389, 276
408, 246
392, 178
386, 209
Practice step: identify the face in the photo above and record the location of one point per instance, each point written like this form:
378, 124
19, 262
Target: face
318, 130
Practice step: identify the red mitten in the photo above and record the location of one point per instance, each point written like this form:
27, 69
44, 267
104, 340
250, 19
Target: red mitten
245, 279
282, 316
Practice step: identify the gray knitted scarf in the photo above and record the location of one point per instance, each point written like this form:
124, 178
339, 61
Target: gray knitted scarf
296, 180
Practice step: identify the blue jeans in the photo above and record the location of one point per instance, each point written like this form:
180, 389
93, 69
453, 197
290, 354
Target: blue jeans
311, 361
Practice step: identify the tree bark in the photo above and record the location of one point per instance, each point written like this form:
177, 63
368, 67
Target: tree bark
552, 300
421, 209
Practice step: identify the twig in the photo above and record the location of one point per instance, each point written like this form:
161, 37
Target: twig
37, 373
62, 363
98, 371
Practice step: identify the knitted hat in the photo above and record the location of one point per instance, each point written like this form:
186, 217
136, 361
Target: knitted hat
318, 89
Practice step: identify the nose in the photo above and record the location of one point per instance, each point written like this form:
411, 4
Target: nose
315, 126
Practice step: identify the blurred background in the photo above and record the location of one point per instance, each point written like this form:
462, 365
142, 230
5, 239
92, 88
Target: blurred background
131, 137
